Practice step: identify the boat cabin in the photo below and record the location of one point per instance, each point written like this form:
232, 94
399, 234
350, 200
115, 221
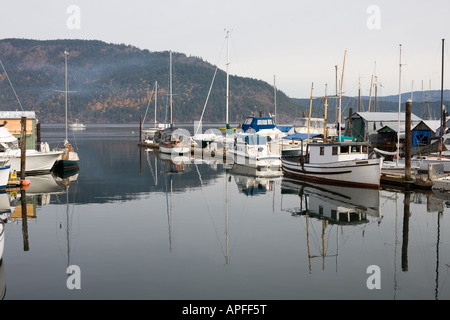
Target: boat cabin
257, 123
335, 152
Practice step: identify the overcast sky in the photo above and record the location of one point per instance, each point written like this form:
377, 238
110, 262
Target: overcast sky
299, 42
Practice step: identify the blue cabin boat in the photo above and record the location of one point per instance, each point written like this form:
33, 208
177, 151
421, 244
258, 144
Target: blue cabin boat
258, 123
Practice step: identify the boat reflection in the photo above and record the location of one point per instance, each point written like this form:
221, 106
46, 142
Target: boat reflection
253, 185
2, 280
343, 207
336, 204
175, 164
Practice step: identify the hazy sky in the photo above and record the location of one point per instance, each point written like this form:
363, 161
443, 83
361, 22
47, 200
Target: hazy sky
299, 42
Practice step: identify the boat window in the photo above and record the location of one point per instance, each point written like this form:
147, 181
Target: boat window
301, 122
248, 121
12, 145
364, 149
344, 149
356, 149
335, 151
262, 122
322, 151
255, 139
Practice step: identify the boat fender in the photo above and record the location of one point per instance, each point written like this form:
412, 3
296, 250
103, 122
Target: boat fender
25, 183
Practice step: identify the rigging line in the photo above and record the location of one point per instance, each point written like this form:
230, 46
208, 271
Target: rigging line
7, 77
209, 210
210, 88
149, 101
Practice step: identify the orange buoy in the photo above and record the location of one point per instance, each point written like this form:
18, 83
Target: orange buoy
25, 182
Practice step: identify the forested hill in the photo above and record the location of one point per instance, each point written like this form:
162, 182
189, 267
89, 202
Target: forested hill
114, 83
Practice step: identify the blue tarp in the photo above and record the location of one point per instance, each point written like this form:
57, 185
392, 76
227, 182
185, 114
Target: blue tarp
299, 136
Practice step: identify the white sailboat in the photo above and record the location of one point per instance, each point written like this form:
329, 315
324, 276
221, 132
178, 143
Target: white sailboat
35, 161
150, 132
69, 158
173, 143
213, 139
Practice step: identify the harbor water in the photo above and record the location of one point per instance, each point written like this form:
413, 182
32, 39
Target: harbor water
132, 224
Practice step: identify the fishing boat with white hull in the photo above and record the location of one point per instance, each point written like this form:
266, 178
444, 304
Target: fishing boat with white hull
345, 163
255, 151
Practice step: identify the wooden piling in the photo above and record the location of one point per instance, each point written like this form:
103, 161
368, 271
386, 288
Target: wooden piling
408, 140
38, 136
23, 147
350, 124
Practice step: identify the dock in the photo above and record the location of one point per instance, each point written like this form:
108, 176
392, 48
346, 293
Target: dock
396, 177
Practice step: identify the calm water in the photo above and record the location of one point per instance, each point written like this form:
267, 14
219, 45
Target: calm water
139, 227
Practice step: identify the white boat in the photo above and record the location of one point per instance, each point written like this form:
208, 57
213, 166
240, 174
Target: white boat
344, 163
36, 161
253, 150
4, 173
175, 143
149, 133
442, 183
77, 125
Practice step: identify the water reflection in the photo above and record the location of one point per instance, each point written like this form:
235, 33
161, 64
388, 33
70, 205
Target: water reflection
236, 235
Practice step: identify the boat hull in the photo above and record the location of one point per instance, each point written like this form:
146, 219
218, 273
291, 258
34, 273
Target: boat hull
260, 163
4, 176
357, 173
176, 150
35, 161
442, 184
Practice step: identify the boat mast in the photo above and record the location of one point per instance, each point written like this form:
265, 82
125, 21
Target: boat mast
170, 84
325, 115
442, 93
340, 98
275, 98
228, 76
399, 102
156, 98
66, 89
310, 107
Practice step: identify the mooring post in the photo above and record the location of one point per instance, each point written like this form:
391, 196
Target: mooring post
408, 141
23, 147
350, 124
38, 136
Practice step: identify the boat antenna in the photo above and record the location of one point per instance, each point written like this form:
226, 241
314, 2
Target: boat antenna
228, 74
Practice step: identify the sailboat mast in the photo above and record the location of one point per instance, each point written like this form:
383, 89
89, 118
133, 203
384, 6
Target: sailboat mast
275, 97
170, 98
156, 98
399, 102
228, 76
340, 98
66, 89
442, 91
